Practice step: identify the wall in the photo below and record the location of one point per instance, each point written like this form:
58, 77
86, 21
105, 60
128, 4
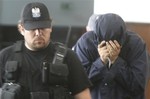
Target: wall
63, 12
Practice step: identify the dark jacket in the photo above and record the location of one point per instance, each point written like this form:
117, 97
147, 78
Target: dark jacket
127, 77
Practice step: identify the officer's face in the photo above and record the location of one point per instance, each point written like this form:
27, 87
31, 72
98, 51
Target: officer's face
36, 39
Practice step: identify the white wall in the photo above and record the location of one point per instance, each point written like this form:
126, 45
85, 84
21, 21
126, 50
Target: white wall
63, 12
130, 10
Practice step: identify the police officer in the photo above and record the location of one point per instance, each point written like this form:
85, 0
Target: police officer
37, 47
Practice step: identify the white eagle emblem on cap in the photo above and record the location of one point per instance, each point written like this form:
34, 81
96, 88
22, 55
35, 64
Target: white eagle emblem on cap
36, 12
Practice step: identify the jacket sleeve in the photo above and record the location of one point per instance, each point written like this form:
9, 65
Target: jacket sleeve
86, 49
131, 72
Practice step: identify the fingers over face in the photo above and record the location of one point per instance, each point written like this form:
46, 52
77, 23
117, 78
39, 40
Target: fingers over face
103, 43
113, 45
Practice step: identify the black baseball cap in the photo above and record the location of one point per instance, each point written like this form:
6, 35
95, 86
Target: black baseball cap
35, 15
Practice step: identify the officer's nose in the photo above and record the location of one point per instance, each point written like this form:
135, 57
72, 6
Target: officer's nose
37, 32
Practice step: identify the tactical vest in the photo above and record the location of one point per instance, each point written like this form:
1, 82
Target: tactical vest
54, 74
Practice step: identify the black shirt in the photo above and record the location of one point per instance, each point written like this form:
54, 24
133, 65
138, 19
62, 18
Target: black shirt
30, 75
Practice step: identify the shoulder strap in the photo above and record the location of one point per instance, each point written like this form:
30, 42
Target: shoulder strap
12, 66
17, 50
18, 56
60, 53
18, 46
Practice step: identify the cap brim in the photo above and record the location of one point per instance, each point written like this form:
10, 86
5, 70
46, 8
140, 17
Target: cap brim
28, 25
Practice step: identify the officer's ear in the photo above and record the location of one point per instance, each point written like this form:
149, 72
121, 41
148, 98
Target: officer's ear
20, 27
51, 29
